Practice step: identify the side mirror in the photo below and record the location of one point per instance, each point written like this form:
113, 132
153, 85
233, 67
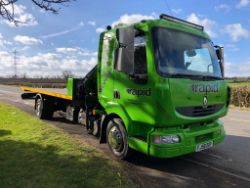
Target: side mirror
220, 55
125, 37
187, 64
191, 53
125, 52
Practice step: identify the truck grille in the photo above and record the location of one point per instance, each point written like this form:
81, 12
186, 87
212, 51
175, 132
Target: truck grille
198, 111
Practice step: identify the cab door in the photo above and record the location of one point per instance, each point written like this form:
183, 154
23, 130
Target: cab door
132, 90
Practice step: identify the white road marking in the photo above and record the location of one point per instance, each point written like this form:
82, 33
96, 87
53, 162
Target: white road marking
239, 120
212, 155
11, 92
18, 101
218, 169
28, 103
15, 100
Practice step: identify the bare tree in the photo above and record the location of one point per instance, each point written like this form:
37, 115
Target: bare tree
7, 8
67, 74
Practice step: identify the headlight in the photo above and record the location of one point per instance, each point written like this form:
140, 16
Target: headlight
171, 139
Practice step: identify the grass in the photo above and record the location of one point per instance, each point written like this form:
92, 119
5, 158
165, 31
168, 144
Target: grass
36, 154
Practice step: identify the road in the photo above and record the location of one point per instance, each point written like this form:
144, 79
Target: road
225, 165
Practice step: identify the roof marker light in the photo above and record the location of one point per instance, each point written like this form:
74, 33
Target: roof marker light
174, 19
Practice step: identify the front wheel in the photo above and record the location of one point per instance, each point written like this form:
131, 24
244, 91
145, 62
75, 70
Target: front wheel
117, 139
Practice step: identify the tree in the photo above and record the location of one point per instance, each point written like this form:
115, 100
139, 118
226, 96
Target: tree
67, 74
7, 8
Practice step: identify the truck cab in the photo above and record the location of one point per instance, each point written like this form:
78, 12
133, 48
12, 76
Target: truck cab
160, 88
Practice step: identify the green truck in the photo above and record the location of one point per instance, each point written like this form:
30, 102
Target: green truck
158, 88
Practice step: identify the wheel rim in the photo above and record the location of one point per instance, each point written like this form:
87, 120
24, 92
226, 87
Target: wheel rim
95, 128
115, 139
38, 107
81, 117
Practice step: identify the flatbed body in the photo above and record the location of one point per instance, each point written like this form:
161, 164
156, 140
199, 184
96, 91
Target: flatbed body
59, 93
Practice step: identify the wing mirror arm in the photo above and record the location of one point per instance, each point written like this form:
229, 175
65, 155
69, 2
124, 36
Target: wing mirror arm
220, 55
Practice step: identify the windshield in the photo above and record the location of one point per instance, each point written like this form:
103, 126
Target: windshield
182, 54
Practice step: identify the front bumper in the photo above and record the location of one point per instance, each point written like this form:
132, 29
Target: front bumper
189, 138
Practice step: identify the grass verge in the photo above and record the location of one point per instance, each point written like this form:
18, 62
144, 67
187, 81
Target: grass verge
37, 154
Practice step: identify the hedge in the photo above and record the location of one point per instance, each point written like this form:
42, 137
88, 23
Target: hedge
240, 96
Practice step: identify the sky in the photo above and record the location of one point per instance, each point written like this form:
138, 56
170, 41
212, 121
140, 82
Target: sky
48, 44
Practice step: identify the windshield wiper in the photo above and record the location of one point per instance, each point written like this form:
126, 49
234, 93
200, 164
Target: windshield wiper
195, 77
207, 77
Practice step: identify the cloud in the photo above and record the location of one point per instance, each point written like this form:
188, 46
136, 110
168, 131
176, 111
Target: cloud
77, 51
26, 40
232, 47
4, 43
92, 23
49, 64
207, 23
81, 23
223, 8
236, 31
100, 29
237, 69
242, 3
133, 18
177, 11
128, 19
23, 18
24, 48
66, 50
64, 32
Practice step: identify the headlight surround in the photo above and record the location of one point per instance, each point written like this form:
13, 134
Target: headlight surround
170, 139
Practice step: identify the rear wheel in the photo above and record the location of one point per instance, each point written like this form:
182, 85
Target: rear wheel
117, 139
39, 107
94, 127
82, 117
43, 109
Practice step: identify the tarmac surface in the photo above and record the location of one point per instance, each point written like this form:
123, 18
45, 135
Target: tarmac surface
224, 165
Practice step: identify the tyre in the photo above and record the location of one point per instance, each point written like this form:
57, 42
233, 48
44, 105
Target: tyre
117, 139
39, 108
82, 117
43, 109
94, 127
72, 113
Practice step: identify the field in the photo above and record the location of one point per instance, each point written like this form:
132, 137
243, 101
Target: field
240, 93
239, 84
37, 154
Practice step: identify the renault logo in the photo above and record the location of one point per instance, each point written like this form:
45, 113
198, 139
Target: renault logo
205, 101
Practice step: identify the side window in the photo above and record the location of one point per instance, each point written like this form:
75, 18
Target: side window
140, 59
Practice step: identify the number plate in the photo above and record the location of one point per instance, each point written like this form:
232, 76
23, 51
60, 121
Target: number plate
204, 146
